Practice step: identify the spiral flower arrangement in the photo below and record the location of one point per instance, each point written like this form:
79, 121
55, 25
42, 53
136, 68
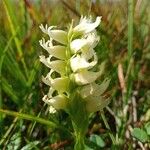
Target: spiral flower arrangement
73, 73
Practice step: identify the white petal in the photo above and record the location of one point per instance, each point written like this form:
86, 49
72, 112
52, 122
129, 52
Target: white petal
52, 110
58, 35
84, 44
85, 77
88, 53
56, 51
60, 84
94, 104
77, 44
44, 60
57, 65
58, 102
50, 92
79, 62
46, 80
45, 29
86, 26
46, 99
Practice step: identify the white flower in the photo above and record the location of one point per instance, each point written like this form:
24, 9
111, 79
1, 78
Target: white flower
58, 35
85, 77
57, 51
60, 84
84, 44
79, 62
57, 65
86, 25
58, 102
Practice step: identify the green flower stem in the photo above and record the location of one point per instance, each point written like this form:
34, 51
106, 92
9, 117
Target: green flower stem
79, 143
79, 117
79, 131
107, 126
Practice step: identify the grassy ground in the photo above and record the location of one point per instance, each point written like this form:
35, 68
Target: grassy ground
125, 46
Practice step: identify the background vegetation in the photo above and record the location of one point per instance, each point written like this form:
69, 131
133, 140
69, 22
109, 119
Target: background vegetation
125, 46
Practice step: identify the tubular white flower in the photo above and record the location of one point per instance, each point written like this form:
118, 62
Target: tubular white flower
79, 62
58, 102
57, 65
84, 44
58, 35
85, 77
85, 26
59, 84
77, 44
57, 51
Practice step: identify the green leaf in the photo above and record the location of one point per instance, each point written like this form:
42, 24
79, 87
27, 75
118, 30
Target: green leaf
97, 140
140, 134
147, 128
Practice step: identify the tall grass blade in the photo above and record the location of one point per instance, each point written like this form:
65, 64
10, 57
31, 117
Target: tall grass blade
130, 28
17, 42
32, 118
1, 64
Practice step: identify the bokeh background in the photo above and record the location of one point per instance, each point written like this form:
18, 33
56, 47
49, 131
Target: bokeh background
124, 46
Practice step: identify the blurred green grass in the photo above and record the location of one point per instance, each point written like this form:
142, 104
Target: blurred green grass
124, 41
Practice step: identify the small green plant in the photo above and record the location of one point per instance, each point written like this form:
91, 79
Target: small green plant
142, 134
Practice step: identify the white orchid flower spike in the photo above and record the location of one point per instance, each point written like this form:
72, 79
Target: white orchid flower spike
71, 60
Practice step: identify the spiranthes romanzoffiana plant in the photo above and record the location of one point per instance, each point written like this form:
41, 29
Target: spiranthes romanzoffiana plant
72, 77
